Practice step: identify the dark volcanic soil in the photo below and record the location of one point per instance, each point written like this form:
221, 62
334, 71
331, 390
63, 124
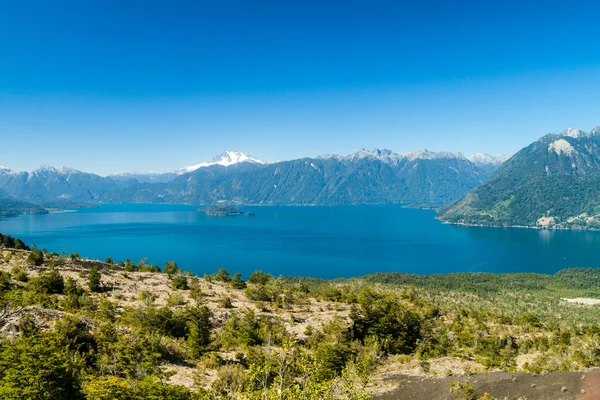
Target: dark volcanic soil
551, 386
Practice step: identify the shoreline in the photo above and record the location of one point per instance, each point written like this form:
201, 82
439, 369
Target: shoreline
553, 228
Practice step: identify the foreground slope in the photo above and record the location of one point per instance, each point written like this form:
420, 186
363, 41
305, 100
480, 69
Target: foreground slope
85, 329
553, 182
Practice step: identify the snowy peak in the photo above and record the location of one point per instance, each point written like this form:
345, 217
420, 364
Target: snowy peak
226, 159
431, 155
574, 133
488, 159
389, 157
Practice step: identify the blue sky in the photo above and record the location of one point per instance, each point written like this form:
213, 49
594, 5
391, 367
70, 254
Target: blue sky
108, 86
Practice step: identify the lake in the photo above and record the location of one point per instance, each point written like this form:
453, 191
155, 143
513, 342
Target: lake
324, 242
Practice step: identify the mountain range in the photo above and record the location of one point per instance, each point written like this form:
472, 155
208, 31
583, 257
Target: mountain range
365, 177
553, 182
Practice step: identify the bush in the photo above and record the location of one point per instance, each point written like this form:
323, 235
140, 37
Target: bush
50, 282
115, 388
259, 278
93, 280
35, 257
384, 316
222, 275
237, 282
19, 274
198, 329
72, 288
147, 297
171, 268
38, 368
179, 282
175, 299
225, 302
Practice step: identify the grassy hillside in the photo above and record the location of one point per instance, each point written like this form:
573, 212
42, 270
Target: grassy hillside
83, 329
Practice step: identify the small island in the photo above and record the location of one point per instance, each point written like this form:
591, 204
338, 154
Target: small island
224, 211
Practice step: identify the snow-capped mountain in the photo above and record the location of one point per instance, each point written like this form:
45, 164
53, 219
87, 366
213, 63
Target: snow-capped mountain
481, 159
226, 159
378, 176
391, 158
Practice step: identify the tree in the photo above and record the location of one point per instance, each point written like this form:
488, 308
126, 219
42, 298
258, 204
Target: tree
93, 280
35, 257
259, 277
198, 329
179, 282
222, 275
237, 282
171, 268
37, 368
51, 282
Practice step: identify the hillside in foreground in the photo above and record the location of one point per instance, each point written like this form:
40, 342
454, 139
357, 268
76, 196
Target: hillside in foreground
84, 329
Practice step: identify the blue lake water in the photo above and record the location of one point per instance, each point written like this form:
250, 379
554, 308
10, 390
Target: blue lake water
323, 242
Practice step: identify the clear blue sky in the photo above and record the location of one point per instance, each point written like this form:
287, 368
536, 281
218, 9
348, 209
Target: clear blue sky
107, 86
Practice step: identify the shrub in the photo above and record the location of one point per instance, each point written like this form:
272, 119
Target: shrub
35, 257
222, 275
19, 274
38, 367
259, 278
171, 268
50, 282
237, 282
72, 288
225, 302
175, 299
179, 282
198, 329
93, 280
147, 297
463, 391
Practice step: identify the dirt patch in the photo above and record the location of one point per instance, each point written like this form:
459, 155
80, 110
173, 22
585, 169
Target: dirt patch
583, 300
550, 386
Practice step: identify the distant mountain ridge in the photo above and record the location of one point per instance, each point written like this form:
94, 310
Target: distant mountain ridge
553, 182
365, 177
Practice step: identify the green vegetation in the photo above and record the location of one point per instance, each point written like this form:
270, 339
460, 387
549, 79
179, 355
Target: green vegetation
274, 338
538, 187
93, 280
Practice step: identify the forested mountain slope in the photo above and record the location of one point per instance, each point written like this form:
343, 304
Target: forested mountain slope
365, 177
553, 182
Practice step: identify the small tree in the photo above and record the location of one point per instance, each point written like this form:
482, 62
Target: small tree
171, 268
179, 282
222, 275
93, 280
259, 278
237, 282
51, 282
35, 257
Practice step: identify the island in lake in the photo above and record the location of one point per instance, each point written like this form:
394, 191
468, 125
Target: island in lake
224, 211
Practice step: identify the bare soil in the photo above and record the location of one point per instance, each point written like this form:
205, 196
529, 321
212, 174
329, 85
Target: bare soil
501, 385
